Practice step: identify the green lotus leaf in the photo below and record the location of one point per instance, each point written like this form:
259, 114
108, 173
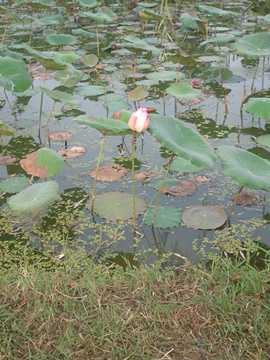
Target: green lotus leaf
116, 205
51, 160
176, 136
214, 11
183, 166
254, 45
108, 127
204, 217
162, 217
34, 198
263, 140
246, 168
184, 91
259, 107
91, 90
60, 39
14, 184
14, 74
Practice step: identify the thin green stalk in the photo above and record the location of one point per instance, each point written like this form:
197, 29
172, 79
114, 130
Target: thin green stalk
99, 161
133, 154
40, 116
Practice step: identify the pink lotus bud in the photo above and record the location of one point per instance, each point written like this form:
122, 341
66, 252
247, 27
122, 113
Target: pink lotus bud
196, 83
139, 120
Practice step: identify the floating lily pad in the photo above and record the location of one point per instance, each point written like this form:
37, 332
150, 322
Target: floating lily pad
34, 198
184, 91
90, 60
215, 11
109, 173
91, 90
182, 188
204, 217
115, 206
254, 45
60, 39
72, 152
162, 217
246, 168
163, 76
43, 163
14, 184
259, 107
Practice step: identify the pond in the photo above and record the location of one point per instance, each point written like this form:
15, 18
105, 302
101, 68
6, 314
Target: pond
72, 171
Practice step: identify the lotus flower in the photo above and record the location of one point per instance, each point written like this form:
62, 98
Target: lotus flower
196, 83
139, 120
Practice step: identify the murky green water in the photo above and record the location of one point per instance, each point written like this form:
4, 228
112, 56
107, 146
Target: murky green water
226, 79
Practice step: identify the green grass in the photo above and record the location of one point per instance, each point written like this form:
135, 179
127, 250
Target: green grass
89, 311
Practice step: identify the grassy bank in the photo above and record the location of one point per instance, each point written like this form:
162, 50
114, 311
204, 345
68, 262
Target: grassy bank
89, 311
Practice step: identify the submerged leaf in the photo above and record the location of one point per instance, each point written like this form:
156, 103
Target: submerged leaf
109, 173
115, 206
34, 198
14, 184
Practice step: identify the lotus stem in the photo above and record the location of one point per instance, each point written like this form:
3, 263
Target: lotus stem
133, 184
40, 116
99, 161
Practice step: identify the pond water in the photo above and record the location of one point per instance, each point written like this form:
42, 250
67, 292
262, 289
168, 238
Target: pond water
136, 44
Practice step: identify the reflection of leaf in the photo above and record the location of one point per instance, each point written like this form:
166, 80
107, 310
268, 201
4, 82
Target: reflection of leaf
182, 140
246, 168
162, 217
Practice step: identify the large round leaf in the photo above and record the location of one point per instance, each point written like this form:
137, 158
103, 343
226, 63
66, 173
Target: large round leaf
162, 217
105, 126
246, 168
254, 45
183, 91
259, 107
34, 198
204, 217
14, 74
115, 206
182, 140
